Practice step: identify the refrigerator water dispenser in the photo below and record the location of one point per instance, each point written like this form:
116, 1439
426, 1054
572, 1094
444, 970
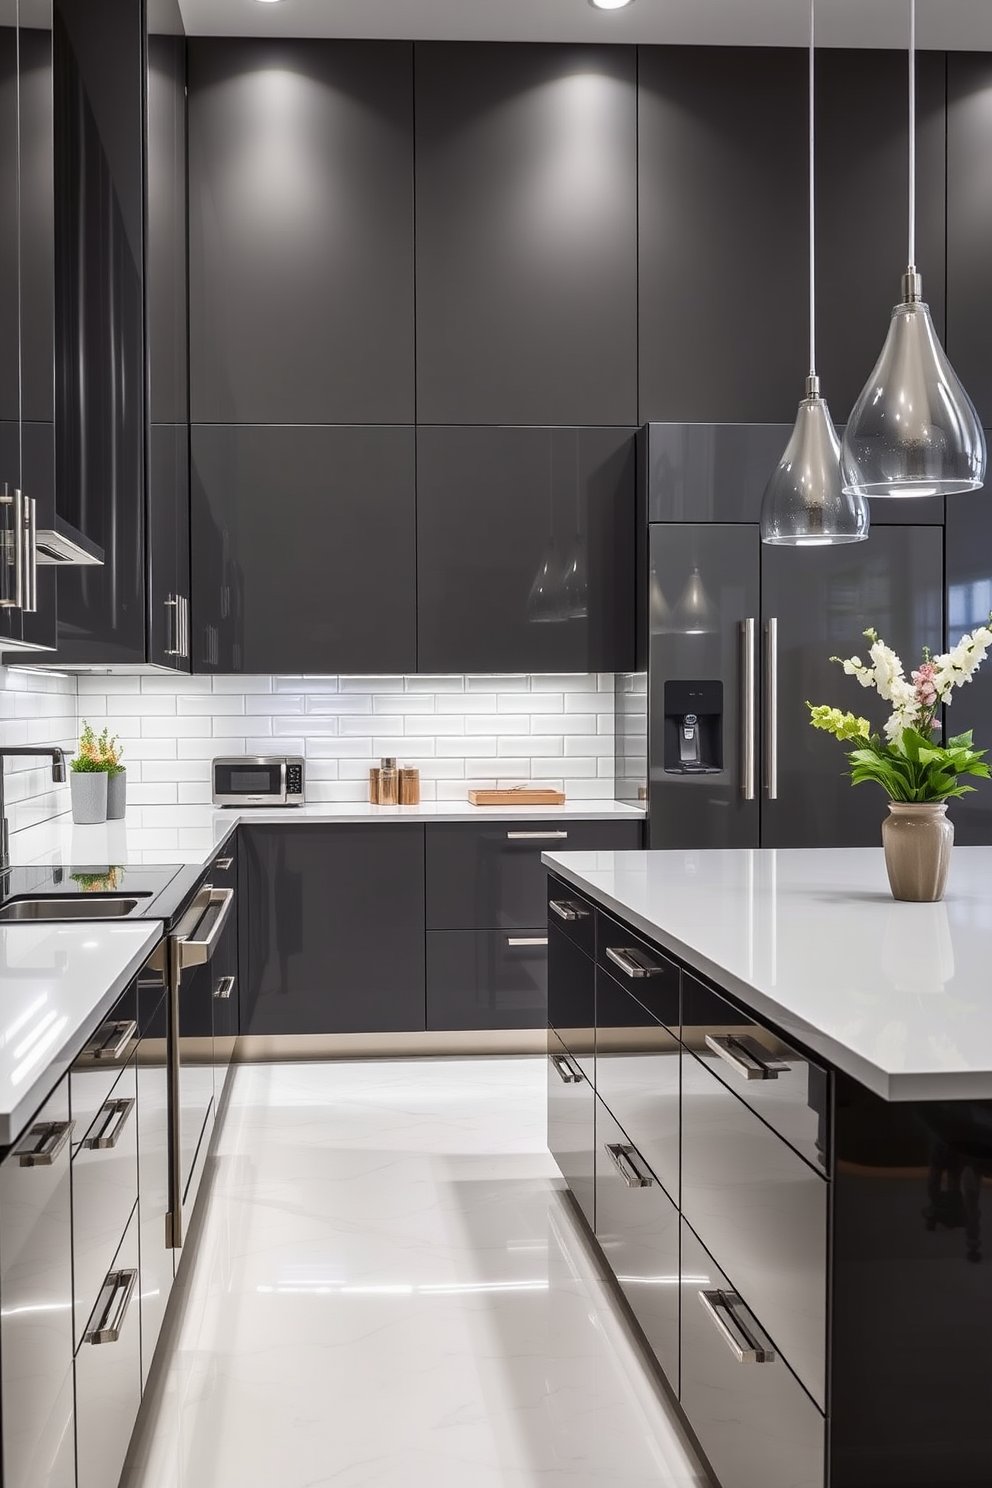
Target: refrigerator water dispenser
693, 728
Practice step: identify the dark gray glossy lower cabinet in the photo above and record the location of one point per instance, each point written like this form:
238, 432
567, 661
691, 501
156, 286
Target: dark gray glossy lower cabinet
572, 1124
333, 937
36, 1376
637, 1225
638, 1075
755, 1422
487, 978
108, 1373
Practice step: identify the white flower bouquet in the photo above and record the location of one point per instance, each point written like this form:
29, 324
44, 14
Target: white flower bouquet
909, 764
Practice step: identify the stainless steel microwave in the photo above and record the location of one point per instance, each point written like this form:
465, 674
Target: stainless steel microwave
259, 780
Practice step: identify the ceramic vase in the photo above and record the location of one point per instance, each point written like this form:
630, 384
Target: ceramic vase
88, 792
116, 795
917, 838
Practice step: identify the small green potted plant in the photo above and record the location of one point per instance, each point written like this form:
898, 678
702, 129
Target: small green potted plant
111, 752
88, 781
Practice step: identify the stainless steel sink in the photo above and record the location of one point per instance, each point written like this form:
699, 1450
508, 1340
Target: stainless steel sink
70, 907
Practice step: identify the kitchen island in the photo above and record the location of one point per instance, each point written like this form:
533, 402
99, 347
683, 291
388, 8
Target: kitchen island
770, 1092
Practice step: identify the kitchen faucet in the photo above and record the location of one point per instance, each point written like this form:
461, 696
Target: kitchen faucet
50, 751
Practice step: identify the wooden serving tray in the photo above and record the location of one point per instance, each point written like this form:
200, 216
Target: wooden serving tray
517, 797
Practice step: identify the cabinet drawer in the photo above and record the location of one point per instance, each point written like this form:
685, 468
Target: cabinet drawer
637, 1225
762, 1211
638, 965
36, 1289
104, 1190
97, 1068
754, 1421
571, 914
572, 998
490, 877
572, 1124
487, 978
108, 1372
785, 1088
638, 1072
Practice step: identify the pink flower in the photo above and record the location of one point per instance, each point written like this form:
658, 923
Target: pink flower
925, 684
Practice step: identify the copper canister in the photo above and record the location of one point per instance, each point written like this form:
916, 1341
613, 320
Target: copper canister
409, 786
374, 791
389, 783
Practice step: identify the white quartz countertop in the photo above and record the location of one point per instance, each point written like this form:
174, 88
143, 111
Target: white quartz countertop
192, 834
899, 996
57, 982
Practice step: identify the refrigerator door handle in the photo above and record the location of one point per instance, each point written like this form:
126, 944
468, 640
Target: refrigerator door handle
771, 719
749, 699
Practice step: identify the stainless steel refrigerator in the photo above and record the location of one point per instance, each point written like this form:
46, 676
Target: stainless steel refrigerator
740, 636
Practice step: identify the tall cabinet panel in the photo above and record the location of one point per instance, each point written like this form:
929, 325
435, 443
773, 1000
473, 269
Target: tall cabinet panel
526, 252
969, 222
302, 549
525, 549
969, 600
301, 231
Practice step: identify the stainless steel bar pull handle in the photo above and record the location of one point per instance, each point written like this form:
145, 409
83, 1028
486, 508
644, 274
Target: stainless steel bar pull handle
172, 625
30, 560
569, 1075
43, 1143
746, 1056
526, 940
184, 635
111, 1040
625, 1160
208, 914
536, 836
742, 1342
115, 1114
12, 553
223, 864
632, 963
771, 711
118, 1289
224, 988
566, 910
749, 703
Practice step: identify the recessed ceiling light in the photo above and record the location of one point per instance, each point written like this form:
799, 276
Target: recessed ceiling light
609, 4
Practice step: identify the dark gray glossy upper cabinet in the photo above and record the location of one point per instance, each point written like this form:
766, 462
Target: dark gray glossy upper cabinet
166, 246
969, 223
723, 224
968, 559
169, 613
526, 234
301, 231
525, 549
303, 542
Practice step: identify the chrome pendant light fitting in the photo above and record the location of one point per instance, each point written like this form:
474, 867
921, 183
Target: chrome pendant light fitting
914, 430
805, 504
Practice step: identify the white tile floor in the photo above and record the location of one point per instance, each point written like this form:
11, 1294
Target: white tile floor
389, 1290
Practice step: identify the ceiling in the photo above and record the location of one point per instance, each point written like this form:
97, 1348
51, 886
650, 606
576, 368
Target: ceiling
951, 24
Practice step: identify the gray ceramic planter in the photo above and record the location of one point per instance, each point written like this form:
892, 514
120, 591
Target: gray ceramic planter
89, 796
116, 795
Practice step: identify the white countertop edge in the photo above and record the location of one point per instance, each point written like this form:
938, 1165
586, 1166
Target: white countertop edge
903, 1085
14, 1120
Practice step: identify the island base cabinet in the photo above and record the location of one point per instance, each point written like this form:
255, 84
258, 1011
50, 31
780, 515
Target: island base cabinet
108, 1372
572, 1125
637, 1227
36, 1319
753, 1419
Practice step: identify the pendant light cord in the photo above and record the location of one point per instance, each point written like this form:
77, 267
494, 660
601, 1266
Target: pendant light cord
812, 194
912, 134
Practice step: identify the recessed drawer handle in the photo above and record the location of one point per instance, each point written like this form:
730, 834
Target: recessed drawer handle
44, 1143
115, 1114
224, 864
632, 962
111, 1040
119, 1287
623, 1158
536, 836
526, 940
224, 988
569, 1075
746, 1056
745, 1347
565, 910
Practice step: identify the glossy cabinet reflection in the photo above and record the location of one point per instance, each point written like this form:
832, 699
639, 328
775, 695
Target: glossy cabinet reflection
332, 929
487, 978
108, 1374
638, 1074
36, 1342
572, 1065
525, 549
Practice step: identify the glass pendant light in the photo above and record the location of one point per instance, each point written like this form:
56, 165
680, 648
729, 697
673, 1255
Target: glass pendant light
914, 430
805, 503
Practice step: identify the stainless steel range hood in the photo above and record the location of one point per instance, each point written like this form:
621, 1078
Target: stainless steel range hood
65, 545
